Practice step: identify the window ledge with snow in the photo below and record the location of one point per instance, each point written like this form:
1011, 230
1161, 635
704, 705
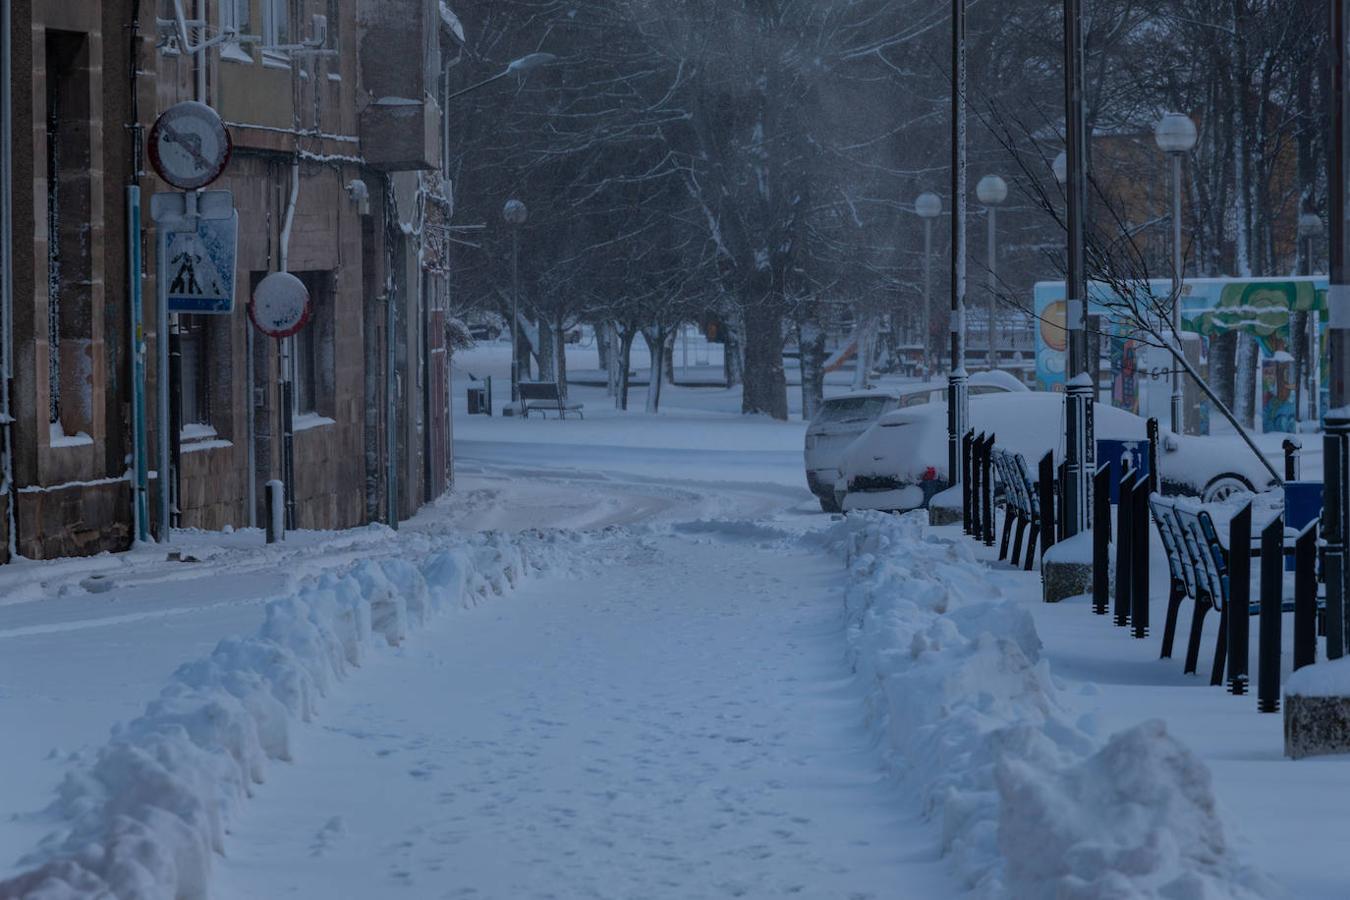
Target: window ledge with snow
199, 436
306, 421
59, 438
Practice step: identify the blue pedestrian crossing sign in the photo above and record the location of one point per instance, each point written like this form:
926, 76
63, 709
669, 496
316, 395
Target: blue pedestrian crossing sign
199, 241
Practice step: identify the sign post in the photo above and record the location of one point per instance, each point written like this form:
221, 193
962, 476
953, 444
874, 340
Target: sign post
196, 235
280, 308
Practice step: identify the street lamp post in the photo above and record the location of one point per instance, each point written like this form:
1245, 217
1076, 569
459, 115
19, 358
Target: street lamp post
1309, 229
1079, 451
991, 192
1336, 441
928, 206
958, 396
515, 213
1175, 134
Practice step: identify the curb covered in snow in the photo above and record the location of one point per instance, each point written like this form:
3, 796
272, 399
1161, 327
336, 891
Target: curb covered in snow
1029, 804
145, 818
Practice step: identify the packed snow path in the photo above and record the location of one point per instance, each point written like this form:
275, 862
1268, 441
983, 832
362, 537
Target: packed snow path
678, 723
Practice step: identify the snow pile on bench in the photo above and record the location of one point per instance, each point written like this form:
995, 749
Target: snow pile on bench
1029, 805
146, 817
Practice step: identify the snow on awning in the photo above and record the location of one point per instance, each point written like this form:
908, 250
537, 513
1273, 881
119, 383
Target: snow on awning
452, 22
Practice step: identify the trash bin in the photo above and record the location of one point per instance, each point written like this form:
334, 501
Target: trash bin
478, 402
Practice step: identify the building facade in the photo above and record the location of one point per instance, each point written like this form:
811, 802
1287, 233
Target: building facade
333, 107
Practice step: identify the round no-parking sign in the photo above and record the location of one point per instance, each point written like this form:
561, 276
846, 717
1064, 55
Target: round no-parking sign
280, 306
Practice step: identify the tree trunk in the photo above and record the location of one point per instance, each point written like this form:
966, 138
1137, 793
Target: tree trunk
733, 362
560, 355
657, 341
544, 352
668, 369
811, 338
1222, 354
625, 364
765, 388
602, 345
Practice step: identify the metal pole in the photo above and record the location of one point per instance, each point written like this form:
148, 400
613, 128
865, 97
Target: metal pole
391, 413
252, 427
1178, 409
1338, 337
991, 352
140, 503
162, 423
515, 313
926, 319
958, 412
1079, 451
6, 277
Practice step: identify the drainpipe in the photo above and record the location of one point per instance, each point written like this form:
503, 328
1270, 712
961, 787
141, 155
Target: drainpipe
7, 277
288, 360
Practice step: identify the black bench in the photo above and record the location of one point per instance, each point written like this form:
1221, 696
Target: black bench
1021, 506
1200, 567
543, 397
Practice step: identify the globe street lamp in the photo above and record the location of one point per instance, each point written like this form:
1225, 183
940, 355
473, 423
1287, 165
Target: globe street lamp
515, 213
928, 206
1310, 228
992, 191
1175, 134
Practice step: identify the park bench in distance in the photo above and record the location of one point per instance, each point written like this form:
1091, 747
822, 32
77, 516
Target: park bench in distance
544, 397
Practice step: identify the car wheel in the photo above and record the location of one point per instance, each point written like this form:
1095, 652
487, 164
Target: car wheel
1224, 487
830, 505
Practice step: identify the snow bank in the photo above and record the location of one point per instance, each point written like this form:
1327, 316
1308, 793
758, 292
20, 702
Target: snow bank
144, 819
1030, 805
1329, 678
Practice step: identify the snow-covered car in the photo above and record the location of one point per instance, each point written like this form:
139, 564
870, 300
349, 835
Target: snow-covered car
900, 462
840, 420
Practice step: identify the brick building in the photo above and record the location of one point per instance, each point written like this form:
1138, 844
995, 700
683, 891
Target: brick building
333, 108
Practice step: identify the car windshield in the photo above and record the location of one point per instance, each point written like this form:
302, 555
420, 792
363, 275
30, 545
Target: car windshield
851, 409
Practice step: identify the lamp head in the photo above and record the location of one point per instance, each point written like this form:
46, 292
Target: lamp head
1175, 133
1309, 225
991, 190
928, 205
1061, 167
515, 213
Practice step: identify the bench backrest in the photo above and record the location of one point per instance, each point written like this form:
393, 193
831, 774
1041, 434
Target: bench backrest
1017, 492
1207, 554
538, 390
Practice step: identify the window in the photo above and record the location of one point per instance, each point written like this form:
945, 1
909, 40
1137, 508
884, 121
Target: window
276, 31
194, 373
313, 348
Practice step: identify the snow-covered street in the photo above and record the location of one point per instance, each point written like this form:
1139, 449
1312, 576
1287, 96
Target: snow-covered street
677, 721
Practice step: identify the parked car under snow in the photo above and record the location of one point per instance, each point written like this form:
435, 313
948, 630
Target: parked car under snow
840, 420
900, 462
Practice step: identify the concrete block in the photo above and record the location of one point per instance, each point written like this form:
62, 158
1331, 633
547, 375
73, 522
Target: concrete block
1061, 580
1316, 726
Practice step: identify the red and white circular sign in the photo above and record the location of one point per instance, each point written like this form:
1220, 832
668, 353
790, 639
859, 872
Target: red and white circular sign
280, 305
189, 145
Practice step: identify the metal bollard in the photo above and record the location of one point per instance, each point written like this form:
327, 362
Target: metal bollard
1239, 605
1101, 539
1139, 556
987, 485
1292, 458
1046, 488
1305, 597
973, 485
967, 451
1154, 466
1124, 540
1272, 609
1333, 531
276, 511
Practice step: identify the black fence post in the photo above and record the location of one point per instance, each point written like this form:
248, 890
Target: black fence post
1124, 540
987, 485
967, 448
1046, 488
1239, 603
1305, 597
1154, 469
1061, 520
1101, 539
488, 385
1139, 556
1292, 458
1272, 609
1009, 505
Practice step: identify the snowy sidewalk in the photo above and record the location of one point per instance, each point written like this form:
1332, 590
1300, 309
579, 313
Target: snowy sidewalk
681, 724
